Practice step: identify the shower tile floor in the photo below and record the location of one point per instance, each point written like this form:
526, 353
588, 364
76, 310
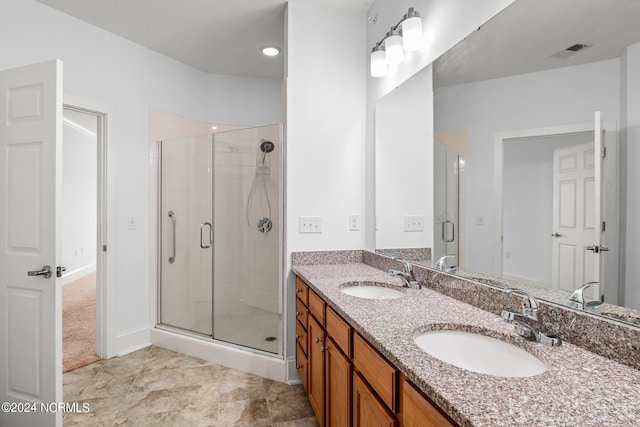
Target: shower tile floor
158, 387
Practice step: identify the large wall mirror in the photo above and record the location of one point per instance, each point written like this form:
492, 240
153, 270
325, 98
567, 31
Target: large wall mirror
521, 192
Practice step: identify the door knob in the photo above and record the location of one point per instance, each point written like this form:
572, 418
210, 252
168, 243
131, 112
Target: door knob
45, 272
556, 234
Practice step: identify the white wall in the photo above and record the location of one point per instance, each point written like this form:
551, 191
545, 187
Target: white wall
324, 130
79, 195
404, 145
629, 158
549, 98
130, 79
444, 23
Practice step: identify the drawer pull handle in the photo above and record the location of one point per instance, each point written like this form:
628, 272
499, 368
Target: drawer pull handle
317, 340
298, 290
298, 314
298, 336
324, 348
298, 366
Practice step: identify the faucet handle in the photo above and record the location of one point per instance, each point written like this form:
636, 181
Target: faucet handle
530, 305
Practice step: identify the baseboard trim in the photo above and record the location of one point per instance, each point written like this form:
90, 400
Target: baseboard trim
292, 372
130, 341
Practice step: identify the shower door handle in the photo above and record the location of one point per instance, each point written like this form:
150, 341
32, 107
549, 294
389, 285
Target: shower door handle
202, 245
172, 258
444, 232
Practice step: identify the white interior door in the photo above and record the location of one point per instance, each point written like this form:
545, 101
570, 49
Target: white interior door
574, 216
30, 305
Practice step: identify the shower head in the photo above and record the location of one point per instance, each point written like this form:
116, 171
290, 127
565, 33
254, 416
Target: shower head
267, 146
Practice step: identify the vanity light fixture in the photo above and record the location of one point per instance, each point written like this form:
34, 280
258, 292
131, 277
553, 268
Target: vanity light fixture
378, 61
406, 35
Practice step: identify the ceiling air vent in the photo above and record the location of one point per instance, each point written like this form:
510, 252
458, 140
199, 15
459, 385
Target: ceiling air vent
570, 51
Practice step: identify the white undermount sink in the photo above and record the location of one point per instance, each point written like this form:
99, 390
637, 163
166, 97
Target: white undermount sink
371, 291
480, 353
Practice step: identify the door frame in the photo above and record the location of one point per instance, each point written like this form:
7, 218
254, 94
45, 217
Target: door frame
105, 304
611, 202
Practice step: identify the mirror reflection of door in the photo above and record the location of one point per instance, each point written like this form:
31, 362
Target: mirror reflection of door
449, 154
558, 172
573, 217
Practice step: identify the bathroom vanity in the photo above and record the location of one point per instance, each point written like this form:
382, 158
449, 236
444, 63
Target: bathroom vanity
359, 362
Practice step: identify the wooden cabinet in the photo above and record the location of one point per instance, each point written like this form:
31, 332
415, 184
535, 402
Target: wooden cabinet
316, 346
338, 377
380, 374
368, 409
349, 383
302, 317
416, 410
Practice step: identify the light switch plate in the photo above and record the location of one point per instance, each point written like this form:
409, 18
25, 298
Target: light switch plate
413, 223
310, 224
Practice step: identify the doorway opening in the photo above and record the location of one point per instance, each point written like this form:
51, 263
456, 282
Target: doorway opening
82, 207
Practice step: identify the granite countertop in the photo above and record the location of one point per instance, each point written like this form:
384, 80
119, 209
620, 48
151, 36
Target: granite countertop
579, 388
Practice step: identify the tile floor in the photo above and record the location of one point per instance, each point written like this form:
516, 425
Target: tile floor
159, 387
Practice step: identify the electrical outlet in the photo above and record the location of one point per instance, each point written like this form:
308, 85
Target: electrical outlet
479, 219
413, 223
354, 222
132, 222
310, 224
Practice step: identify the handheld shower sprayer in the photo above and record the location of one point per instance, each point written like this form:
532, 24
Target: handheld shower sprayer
264, 223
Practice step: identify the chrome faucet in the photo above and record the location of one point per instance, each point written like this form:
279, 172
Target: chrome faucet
406, 275
577, 299
528, 323
442, 262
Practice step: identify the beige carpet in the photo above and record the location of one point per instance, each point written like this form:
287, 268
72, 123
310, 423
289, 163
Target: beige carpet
79, 323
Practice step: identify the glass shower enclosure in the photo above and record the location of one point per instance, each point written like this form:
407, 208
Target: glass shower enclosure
221, 237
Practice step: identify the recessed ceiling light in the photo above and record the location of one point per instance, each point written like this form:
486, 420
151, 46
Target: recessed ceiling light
214, 127
270, 51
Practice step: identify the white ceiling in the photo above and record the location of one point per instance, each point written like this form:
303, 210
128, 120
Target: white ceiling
215, 36
522, 38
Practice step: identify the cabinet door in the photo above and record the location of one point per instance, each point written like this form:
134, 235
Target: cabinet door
316, 368
368, 410
338, 374
418, 411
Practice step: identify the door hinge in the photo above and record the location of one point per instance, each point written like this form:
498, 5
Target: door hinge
60, 270
104, 248
604, 151
604, 226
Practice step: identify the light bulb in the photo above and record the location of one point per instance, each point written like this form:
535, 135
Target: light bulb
378, 61
412, 30
393, 47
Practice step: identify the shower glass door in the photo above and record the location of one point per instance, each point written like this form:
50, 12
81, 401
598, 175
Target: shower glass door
446, 203
221, 236
186, 251
247, 245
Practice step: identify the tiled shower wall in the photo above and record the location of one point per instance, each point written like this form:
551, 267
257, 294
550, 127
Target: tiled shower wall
247, 261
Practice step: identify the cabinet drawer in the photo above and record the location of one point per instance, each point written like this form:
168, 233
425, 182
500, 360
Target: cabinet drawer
301, 337
316, 307
301, 367
301, 314
381, 375
339, 330
302, 291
